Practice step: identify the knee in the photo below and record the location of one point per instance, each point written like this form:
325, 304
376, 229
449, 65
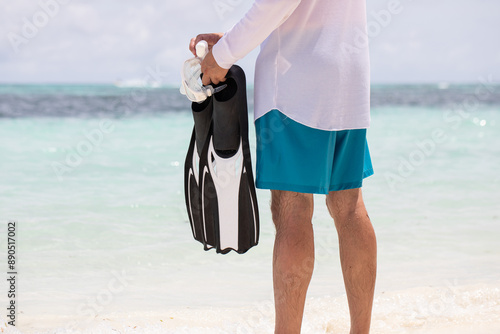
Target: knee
291, 209
345, 204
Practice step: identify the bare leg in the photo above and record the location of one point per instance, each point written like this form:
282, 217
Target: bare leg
358, 254
293, 258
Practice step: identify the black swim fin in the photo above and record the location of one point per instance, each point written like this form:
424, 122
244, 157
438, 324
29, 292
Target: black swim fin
202, 114
219, 185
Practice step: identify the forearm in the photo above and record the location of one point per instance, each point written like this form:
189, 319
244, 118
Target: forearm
258, 23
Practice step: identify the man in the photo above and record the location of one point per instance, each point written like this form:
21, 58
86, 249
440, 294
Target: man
312, 101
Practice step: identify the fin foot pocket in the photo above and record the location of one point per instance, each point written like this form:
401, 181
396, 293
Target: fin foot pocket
225, 153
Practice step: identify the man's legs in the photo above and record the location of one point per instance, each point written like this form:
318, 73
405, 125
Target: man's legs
358, 254
293, 258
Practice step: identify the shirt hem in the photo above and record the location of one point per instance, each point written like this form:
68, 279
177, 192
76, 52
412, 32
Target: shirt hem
352, 127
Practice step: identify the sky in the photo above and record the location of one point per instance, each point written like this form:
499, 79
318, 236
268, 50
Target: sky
91, 41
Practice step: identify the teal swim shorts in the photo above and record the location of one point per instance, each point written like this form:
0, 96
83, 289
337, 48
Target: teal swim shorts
295, 157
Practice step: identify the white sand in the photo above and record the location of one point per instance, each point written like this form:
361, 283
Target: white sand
446, 309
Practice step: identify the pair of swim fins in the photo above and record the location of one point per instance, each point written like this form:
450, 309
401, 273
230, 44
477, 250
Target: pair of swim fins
218, 180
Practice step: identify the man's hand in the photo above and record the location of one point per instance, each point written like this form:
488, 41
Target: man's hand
212, 72
210, 38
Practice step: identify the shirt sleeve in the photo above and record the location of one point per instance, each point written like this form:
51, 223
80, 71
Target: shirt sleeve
258, 23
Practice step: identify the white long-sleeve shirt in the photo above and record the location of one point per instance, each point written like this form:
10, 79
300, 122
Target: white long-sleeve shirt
313, 65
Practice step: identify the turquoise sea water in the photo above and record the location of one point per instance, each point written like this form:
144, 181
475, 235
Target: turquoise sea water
93, 176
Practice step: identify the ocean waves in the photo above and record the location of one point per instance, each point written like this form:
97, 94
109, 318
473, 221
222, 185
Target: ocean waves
115, 102
94, 102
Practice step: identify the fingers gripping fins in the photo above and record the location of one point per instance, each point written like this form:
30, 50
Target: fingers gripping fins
221, 200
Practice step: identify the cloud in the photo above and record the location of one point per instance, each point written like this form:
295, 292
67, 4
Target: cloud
101, 41
437, 41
